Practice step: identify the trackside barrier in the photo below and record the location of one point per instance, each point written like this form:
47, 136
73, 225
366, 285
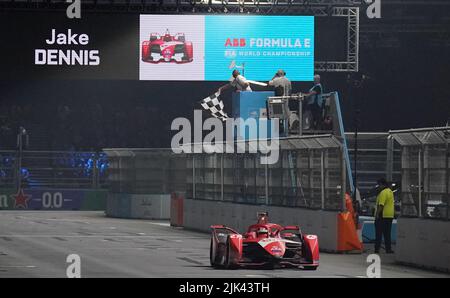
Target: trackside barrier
335, 230
52, 199
423, 243
305, 187
423, 230
141, 181
200, 214
139, 206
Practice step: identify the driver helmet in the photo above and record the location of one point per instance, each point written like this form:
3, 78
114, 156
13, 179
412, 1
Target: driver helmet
263, 217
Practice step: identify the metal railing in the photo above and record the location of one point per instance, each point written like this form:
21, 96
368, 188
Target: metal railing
425, 171
53, 169
377, 157
146, 171
309, 173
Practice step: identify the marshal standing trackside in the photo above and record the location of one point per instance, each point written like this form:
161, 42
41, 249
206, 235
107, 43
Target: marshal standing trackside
225, 288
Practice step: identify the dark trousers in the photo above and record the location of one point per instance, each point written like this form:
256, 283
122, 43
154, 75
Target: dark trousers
316, 113
383, 229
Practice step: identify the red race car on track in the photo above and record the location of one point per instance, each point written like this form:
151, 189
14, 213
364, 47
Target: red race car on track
167, 48
264, 244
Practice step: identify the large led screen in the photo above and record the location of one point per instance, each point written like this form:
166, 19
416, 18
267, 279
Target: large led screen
208, 48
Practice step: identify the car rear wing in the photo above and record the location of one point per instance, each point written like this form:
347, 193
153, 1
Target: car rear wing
214, 228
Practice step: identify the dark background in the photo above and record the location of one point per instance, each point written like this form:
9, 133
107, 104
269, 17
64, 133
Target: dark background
88, 108
116, 36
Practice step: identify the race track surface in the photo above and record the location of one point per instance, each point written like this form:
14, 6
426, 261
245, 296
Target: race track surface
37, 243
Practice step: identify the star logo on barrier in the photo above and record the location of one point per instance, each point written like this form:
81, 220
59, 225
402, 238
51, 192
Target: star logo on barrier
21, 199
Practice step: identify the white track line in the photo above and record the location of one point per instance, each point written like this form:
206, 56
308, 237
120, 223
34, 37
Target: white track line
19, 266
164, 224
100, 236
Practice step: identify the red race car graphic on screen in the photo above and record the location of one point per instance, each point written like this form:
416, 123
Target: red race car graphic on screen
264, 244
167, 48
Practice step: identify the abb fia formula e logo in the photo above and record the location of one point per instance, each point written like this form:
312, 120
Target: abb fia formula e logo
235, 42
167, 48
258, 42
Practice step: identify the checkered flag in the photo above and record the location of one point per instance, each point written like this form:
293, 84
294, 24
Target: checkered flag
214, 105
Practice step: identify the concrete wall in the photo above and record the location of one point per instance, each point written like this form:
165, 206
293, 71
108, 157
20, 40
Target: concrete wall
138, 206
424, 243
200, 214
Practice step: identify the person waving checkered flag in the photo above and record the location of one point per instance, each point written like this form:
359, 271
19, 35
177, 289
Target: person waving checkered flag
215, 106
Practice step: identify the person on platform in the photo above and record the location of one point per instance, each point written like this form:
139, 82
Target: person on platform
384, 215
238, 82
283, 87
314, 103
281, 84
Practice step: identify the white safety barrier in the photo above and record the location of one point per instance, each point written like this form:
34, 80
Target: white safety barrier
143, 206
423, 243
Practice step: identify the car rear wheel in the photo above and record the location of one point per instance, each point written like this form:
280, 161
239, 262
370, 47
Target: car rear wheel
219, 259
211, 257
227, 263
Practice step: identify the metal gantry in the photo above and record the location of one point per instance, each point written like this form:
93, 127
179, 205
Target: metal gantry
352, 63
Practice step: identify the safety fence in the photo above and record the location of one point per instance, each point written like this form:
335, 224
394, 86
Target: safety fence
373, 159
376, 157
145, 183
425, 172
310, 173
145, 171
53, 169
